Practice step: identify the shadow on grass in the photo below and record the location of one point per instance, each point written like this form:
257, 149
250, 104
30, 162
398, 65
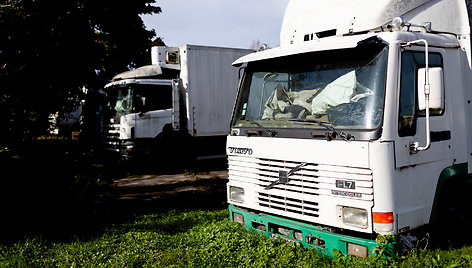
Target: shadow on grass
54, 190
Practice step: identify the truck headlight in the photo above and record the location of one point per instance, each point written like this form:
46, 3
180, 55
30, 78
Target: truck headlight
236, 194
355, 217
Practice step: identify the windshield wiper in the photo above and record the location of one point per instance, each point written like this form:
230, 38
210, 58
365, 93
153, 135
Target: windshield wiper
325, 124
271, 132
332, 134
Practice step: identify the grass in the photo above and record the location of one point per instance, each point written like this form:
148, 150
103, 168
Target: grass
172, 239
197, 239
55, 222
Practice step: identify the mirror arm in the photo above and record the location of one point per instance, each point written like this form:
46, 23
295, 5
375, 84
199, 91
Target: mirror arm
414, 147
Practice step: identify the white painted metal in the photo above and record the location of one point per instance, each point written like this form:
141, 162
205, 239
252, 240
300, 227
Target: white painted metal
145, 81
144, 126
417, 174
321, 45
144, 71
309, 195
342, 42
389, 176
150, 123
210, 83
158, 57
351, 16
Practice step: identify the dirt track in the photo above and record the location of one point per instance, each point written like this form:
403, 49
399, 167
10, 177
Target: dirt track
161, 187
139, 194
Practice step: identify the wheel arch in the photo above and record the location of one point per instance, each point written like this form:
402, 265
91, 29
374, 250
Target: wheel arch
452, 175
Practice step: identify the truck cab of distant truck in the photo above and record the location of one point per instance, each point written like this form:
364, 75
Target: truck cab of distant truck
179, 105
356, 126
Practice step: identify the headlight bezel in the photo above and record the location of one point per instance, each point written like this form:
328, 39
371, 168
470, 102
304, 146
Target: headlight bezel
236, 194
355, 217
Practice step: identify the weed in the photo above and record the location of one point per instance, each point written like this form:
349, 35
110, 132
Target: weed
386, 245
201, 239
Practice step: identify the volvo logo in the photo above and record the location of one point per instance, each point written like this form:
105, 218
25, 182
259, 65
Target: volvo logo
284, 176
234, 150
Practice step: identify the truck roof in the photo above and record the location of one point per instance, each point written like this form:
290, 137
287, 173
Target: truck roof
143, 81
141, 72
320, 18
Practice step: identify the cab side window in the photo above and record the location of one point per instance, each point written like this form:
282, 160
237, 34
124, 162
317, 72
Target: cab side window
408, 110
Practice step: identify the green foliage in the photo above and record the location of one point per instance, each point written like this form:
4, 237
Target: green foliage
385, 245
200, 239
50, 49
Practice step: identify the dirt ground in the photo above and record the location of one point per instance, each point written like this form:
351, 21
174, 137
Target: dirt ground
209, 181
170, 191
59, 194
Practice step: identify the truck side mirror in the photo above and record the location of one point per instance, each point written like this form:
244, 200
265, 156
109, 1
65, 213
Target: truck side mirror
140, 105
436, 95
143, 102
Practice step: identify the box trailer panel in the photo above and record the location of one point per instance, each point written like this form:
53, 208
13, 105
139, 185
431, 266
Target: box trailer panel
211, 84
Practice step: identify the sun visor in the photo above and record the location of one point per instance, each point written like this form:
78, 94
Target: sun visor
329, 43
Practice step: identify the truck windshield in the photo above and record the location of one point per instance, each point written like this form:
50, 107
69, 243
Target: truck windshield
342, 88
119, 100
136, 98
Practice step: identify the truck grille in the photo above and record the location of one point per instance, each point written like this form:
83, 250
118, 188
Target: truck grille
110, 137
286, 204
307, 187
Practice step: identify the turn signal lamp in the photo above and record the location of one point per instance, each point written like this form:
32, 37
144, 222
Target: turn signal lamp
383, 221
379, 217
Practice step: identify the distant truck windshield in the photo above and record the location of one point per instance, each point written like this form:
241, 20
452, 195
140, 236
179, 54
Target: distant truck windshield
136, 98
344, 88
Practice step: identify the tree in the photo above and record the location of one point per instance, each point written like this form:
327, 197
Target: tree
51, 48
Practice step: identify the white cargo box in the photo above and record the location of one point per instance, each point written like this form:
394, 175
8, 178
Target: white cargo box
211, 85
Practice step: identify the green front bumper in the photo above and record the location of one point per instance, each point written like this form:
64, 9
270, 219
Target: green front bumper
309, 236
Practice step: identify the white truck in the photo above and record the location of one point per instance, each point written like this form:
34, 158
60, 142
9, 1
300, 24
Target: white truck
357, 125
187, 92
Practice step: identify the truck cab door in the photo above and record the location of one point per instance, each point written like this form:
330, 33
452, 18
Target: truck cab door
152, 108
412, 121
417, 172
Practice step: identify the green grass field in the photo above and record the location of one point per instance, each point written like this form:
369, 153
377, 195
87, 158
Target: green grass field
51, 218
196, 239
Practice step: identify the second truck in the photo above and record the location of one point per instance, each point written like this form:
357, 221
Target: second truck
180, 104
